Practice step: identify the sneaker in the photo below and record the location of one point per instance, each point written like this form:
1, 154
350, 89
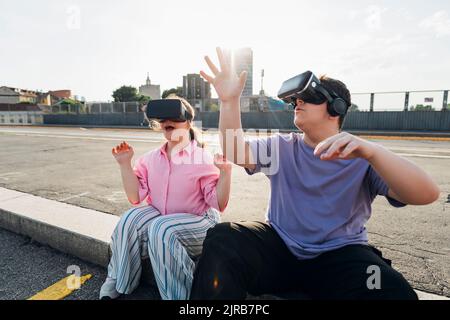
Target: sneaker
108, 290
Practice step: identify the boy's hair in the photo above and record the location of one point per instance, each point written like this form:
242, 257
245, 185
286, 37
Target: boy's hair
340, 89
194, 133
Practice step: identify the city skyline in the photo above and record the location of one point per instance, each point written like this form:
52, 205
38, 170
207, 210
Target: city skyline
376, 45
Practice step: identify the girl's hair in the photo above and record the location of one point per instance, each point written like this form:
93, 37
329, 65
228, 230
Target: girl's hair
194, 132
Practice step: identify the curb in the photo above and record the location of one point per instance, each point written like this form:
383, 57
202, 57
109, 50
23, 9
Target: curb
83, 233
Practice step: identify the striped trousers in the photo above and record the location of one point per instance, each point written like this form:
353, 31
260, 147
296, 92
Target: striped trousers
171, 242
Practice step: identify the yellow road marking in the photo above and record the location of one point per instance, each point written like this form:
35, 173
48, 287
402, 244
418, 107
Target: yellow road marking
60, 289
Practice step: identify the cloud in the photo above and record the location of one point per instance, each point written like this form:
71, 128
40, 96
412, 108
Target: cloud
439, 23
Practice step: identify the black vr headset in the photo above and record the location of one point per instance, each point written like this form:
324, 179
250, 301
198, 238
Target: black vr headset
307, 87
167, 109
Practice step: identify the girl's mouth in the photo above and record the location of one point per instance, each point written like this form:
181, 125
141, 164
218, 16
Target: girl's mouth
169, 128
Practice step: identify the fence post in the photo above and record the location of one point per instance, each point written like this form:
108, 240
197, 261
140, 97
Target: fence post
123, 107
372, 101
406, 101
444, 104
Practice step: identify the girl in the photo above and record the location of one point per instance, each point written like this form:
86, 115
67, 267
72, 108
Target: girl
184, 188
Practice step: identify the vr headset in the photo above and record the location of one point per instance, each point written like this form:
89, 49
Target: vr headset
307, 87
167, 109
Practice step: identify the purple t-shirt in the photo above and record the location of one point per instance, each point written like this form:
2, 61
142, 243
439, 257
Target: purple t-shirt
316, 206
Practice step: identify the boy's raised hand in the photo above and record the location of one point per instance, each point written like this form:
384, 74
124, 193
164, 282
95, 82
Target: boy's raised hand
123, 153
225, 81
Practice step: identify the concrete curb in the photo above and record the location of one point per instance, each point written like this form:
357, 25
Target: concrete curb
83, 233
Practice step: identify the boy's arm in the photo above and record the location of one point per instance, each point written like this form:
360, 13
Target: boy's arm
229, 88
407, 182
232, 136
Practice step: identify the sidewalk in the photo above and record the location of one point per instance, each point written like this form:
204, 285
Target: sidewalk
83, 233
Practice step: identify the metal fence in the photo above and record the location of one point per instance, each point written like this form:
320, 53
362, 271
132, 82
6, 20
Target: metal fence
366, 101
435, 100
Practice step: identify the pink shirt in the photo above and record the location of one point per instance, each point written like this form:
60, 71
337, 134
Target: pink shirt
185, 184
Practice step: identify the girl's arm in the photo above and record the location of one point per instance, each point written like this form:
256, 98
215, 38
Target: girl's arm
223, 187
123, 154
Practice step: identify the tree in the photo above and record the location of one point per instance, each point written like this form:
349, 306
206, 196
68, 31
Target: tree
421, 107
214, 107
178, 91
143, 99
125, 94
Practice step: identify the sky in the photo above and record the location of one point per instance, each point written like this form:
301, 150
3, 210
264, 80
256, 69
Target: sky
93, 47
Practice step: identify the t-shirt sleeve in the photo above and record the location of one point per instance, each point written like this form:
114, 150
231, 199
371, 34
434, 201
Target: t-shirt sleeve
377, 186
265, 155
140, 169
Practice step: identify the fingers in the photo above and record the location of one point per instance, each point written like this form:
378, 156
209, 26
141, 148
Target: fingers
335, 148
349, 149
324, 145
219, 158
321, 147
212, 66
242, 79
123, 147
207, 77
224, 65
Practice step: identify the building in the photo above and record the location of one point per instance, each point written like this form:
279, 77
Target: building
10, 95
197, 91
150, 90
15, 95
243, 60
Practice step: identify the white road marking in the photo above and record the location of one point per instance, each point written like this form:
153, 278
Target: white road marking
5, 176
417, 155
75, 196
211, 139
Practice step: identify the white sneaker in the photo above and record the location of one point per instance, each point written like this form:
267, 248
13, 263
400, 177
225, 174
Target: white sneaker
108, 290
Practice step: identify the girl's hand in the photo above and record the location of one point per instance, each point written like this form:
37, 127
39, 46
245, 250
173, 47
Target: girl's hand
222, 163
345, 146
123, 153
226, 82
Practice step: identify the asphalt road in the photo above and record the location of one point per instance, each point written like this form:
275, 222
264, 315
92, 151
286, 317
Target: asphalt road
27, 268
75, 165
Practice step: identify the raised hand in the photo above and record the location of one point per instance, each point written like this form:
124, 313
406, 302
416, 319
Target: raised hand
123, 153
227, 84
222, 163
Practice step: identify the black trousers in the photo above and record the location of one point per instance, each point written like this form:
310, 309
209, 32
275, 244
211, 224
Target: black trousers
250, 257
